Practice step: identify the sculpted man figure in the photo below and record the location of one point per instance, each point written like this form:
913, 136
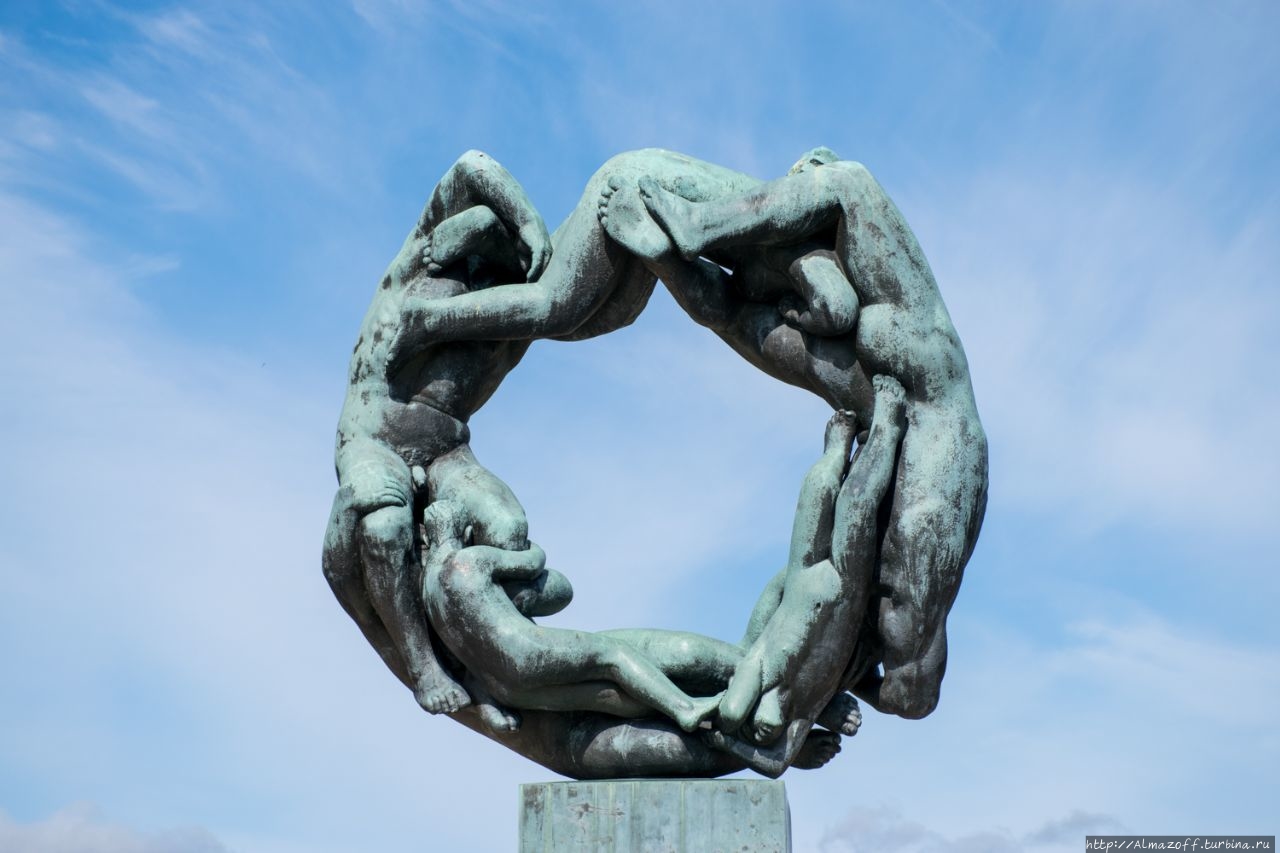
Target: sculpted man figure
902, 331
403, 429
798, 662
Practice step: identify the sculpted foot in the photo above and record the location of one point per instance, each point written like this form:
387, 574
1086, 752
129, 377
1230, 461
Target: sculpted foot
841, 430
456, 237
891, 400
625, 218
700, 708
674, 214
767, 761
842, 715
498, 719
819, 748
441, 695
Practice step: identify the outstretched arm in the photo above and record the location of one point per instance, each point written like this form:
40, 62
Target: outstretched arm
478, 179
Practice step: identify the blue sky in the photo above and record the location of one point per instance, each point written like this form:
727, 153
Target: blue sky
197, 199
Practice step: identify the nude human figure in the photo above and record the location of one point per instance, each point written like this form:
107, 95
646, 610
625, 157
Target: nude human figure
904, 331
798, 662
526, 665
590, 286
531, 682
805, 280
403, 430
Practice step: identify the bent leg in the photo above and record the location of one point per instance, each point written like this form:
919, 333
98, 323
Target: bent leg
559, 657
392, 575
583, 271
499, 520
474, 231
857, 508
342, 569
382, 495
496, 516
697, 663
937, 514
764, 609
830, 305
878, 249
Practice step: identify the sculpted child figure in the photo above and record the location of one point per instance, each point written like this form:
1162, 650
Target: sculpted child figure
513, 665
797, 662
902, 330
525, 665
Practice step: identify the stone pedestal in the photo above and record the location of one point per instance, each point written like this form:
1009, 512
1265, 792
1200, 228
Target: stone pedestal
655, 816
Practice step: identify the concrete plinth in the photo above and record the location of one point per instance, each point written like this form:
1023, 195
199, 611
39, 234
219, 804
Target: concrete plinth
655, 816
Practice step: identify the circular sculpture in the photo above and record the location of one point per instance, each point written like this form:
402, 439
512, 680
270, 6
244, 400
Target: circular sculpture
816, 279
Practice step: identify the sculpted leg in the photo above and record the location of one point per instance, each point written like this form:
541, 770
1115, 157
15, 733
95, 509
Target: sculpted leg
937, 514
780, 211
343, 571
581, 274
640, 677
764, 609
393, 579
698, 664
773, 760
789, 630
474, 231
827, 304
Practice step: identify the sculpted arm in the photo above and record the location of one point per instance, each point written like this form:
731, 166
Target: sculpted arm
504, 565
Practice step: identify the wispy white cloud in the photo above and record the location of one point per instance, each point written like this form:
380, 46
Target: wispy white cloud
171, 500
867, 829
80, 829
1117, 341
1126, 725
177, 28
175, 110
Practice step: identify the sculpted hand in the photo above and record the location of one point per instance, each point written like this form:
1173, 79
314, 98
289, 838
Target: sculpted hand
534, 248
412, 332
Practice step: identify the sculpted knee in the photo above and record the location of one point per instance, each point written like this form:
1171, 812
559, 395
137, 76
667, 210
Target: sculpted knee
913, 681
910, 692
627, 161
387, 529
